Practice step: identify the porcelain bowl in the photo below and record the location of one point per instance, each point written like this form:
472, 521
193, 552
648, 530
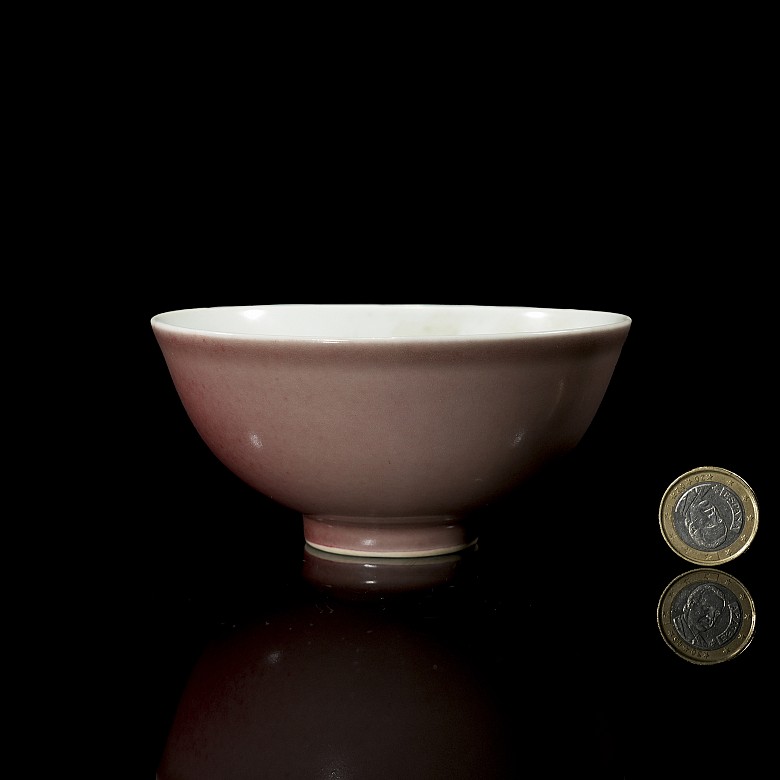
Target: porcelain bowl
387, 426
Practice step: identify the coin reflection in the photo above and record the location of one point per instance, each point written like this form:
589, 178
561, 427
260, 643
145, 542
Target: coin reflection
706, 616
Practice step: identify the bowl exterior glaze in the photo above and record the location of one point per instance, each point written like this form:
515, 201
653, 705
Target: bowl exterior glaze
386, 446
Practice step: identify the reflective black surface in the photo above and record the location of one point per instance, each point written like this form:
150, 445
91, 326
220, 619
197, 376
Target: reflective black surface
535, 654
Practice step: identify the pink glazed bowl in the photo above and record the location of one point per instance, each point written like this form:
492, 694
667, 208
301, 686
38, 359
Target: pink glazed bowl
387, 425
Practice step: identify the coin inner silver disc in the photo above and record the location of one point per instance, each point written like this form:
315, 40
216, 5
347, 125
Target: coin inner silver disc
708, 516
706, 615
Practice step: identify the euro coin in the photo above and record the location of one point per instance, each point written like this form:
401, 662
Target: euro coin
709, 516
706, 616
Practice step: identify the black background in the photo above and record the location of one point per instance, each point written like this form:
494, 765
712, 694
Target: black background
571, 567
557, 157
627, 182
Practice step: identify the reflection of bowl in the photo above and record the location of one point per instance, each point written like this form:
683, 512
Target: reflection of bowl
387, 426
360, 577
339, 692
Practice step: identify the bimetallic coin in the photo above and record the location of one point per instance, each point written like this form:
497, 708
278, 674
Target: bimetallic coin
709, 516
706, 616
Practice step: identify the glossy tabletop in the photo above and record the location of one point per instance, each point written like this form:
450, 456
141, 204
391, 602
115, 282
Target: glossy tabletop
540, 647
537, 653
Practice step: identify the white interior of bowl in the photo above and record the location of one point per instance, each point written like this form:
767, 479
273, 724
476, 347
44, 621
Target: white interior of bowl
383, 321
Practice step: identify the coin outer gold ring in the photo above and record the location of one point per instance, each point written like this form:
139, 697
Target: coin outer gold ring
690, 479
741, 639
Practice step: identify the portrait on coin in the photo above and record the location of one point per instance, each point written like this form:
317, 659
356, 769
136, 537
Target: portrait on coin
710, 516
706, 617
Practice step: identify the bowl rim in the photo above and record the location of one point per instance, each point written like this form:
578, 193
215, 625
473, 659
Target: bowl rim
164, 322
